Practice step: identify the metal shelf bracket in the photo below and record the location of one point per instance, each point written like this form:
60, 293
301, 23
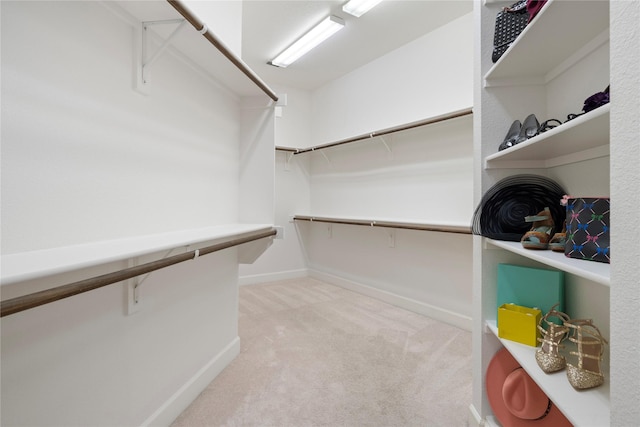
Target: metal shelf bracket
145, 62
385, 143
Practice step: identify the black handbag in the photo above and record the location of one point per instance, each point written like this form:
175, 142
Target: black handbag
510, 22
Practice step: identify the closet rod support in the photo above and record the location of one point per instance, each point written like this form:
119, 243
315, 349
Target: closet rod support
146, 63
384, 142
326, 158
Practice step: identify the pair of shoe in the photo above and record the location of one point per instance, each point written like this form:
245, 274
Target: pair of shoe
541, 235
520, 132
590, 348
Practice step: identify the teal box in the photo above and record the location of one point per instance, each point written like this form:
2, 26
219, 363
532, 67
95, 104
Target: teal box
530, 287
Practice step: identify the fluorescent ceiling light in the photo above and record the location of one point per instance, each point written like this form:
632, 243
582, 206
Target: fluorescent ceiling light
313, 38
358, 8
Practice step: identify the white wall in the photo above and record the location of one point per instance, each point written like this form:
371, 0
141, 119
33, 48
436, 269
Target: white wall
257, 162
222, 18
426, 178
285, 258
86, 158
427, 77
625, 193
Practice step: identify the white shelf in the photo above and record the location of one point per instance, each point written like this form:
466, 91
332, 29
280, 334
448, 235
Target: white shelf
545, 56
389, 223
451, 115
561, 33
598, 272
583, 138
582, 408
24, 266
187, 44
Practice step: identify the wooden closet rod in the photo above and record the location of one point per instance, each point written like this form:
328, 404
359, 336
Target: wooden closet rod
408, 126
26, 302
202, 29
388, 224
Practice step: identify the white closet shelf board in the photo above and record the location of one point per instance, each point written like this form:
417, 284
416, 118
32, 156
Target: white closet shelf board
30, 265
390, 223
187, 44
451, 115
598, 272
548, 34
582, 408
583, 138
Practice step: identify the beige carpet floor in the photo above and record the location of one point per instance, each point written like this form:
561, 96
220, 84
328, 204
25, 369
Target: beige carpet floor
313, 354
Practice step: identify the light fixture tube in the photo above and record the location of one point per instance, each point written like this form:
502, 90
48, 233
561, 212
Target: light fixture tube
358, 8
313, 38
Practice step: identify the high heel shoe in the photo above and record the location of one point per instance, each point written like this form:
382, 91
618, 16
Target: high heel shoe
541, 231
548, 125
547, 355
590, 345
529, 128
512, 136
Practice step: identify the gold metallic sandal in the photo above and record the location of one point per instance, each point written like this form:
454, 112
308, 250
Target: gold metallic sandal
590, 345
547, 355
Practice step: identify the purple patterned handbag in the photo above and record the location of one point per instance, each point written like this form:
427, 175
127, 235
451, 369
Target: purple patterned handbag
588, 229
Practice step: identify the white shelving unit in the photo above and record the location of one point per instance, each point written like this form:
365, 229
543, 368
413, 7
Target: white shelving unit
547, 58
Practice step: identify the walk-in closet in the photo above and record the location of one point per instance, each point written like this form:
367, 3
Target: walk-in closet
196, 232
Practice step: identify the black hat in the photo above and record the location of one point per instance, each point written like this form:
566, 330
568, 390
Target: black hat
500, 214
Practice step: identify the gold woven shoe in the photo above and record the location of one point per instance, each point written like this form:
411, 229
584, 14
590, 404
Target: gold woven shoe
547, 356
590, 344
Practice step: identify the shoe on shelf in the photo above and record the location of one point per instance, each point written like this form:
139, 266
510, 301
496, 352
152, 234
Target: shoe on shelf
547, 356
548, 125
540, 234
512, 136
529, 128
590, 345
559, 239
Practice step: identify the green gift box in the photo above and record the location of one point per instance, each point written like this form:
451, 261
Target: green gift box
530, 287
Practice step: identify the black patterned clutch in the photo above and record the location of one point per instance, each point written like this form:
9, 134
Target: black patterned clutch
509, 24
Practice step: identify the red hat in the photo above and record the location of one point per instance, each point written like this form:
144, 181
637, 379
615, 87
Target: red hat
516, 399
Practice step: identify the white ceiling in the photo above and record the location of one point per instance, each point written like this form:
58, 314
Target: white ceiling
269, 26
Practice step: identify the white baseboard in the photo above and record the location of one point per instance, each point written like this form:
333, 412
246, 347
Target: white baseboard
437, 313
475, 420
186, 394
272, 277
